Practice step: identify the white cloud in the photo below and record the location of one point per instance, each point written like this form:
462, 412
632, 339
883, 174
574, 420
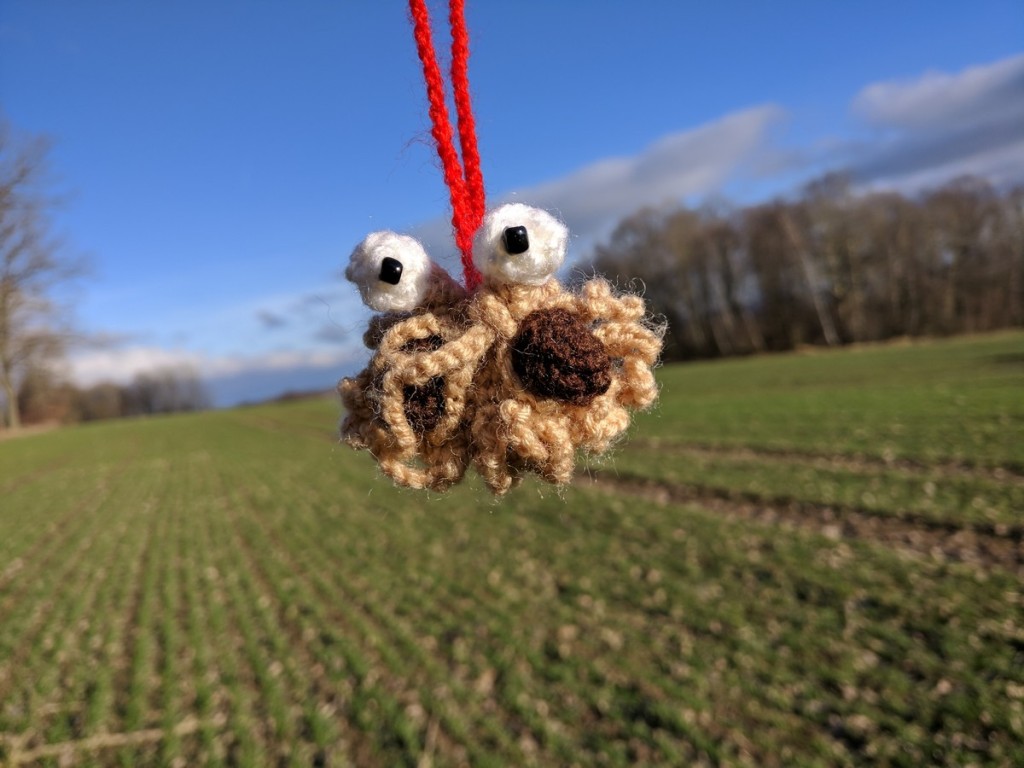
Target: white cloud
696, 162
121, 365
940, 98
1001, 166
699, 161
942, 125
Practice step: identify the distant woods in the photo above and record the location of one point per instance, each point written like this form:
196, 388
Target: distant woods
830, 267
46, 397
35, 326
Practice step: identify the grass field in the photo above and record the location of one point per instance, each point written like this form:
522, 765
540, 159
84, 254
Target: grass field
803, 560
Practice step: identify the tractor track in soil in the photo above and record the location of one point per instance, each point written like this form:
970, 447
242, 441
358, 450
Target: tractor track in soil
860, 463
982, 546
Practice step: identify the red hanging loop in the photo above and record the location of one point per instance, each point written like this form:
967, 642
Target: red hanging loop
473, 177
465, 180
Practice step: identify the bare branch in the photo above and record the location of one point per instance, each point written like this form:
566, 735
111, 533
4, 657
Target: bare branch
33, 327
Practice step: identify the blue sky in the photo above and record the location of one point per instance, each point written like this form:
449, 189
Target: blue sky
220, 159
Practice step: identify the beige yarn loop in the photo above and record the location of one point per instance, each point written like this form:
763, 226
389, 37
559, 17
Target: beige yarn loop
485, 416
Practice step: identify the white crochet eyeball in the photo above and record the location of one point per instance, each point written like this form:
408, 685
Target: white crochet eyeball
392, 271
520, 244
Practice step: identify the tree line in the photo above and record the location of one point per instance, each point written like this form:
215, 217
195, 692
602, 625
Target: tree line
829, 267
45, 397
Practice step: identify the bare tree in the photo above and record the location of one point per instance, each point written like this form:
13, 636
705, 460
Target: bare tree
165, 390
1014, 233
33, 329
43, 397
787, 317
100, 401
817, 285
722, 240
638, 251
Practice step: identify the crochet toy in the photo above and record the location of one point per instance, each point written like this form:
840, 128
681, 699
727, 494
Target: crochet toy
512, 374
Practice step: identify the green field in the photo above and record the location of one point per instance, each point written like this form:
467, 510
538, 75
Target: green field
810, 559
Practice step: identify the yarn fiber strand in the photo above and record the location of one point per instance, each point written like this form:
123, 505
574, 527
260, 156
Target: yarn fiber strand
473, 176
467, 207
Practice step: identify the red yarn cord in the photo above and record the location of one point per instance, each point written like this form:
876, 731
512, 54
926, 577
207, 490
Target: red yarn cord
467, 208
473, 177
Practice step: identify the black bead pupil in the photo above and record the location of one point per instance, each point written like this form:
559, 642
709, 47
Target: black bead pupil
390, 270
516, 240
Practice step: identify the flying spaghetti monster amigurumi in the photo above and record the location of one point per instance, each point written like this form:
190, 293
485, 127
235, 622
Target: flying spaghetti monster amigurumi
512, 377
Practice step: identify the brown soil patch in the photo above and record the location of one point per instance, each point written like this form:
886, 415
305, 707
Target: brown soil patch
976, 546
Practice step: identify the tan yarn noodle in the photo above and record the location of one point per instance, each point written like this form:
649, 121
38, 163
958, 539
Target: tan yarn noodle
489, 419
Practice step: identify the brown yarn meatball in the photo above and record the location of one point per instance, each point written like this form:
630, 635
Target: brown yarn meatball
556, 355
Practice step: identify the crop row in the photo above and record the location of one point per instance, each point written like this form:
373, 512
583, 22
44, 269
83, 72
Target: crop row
231, 589
958, 500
